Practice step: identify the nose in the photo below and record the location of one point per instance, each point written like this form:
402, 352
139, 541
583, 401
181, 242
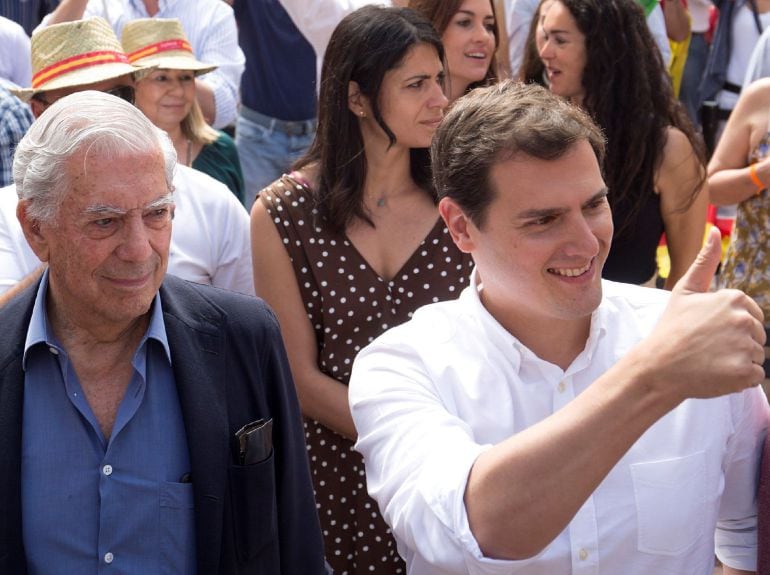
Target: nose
544, 46
437, 97
582, 238
135, 245
481, 34
175, 85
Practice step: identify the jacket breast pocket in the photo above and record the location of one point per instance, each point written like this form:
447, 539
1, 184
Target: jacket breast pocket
670, 503
253, 503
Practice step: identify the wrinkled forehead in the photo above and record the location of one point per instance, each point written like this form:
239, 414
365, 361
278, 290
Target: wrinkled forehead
124, 179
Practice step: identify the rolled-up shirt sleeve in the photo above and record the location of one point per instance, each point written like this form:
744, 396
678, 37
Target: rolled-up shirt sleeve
736, 532
418, 457
220, 47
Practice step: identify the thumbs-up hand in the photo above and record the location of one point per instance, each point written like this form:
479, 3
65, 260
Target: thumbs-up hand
706, 344
698, 277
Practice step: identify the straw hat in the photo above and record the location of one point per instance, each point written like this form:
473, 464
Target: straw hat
160, 43
75, 54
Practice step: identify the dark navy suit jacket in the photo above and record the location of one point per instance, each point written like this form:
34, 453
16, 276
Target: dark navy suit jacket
230, 369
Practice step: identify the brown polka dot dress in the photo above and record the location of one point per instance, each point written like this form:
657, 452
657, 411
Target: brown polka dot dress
349, 305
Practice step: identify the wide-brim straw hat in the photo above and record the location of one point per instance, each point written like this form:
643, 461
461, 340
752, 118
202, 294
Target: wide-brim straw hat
160, 43
75, 54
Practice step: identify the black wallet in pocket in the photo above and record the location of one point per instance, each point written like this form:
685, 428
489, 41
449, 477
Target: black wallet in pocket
255, 441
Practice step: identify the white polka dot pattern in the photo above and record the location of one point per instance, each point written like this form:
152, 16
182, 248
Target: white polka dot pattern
349, 305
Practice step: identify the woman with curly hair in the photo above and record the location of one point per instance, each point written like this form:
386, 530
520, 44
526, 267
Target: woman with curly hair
470, 36
600, 55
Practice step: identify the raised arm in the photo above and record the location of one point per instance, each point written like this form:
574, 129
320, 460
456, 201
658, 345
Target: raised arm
561, 461
523, 491
321, 397
67, 11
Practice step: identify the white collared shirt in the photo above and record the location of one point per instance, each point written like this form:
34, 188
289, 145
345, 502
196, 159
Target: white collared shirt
209, 240
430, 395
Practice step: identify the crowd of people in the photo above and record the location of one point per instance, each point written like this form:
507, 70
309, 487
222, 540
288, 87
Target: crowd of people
351, 287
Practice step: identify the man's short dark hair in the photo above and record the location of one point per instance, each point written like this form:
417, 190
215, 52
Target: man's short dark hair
495, 124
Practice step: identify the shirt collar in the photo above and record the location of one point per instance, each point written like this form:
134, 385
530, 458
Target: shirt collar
139, 6
40, 331
504, 339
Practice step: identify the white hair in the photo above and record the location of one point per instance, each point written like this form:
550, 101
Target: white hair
88, 120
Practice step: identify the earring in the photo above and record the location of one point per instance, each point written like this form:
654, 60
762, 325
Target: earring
362, 114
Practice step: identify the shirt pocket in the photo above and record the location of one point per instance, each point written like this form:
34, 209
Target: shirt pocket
670, 503
177, 528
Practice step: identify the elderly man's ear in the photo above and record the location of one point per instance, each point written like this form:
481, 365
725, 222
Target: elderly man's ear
32, 231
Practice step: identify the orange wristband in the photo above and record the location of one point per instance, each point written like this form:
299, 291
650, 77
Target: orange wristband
755, 178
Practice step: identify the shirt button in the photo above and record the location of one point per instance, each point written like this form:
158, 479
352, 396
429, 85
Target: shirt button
583, 554
108, 557
107, 470
53, 350
562, 386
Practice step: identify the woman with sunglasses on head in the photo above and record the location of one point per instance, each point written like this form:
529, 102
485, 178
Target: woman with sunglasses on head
469, 33
600, 55
165, 92
351, 243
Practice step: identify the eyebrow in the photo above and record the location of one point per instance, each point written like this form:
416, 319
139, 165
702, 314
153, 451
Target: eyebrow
553, 31
541, 213
472, 13
101, 209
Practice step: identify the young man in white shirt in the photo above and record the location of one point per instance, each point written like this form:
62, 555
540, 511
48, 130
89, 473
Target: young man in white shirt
548, 421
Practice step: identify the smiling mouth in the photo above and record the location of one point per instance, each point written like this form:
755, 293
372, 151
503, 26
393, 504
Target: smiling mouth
476, 55
571, 272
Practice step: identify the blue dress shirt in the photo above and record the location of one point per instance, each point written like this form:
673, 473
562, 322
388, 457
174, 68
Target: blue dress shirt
91, 504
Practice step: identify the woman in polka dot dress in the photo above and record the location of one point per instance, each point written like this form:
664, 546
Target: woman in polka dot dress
351, 244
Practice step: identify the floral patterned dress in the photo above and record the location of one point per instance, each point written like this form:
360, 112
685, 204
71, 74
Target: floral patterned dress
747, 261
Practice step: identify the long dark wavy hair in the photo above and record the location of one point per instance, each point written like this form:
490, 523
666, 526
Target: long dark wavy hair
363, 47
440, 13
629, 95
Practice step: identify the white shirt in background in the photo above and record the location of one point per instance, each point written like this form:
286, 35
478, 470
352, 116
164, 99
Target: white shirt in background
15, 55
209, 240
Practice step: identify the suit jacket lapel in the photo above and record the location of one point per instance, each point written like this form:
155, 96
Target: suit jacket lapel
193, 327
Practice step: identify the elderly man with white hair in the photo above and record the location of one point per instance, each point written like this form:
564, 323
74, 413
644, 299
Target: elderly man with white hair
147, 424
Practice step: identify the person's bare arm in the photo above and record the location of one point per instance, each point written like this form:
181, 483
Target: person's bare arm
321, 397
67, 11
25, 282
679, 171
728, 170
560, 461
677, 20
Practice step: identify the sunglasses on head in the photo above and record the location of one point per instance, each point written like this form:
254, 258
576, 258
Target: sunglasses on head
123, 92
